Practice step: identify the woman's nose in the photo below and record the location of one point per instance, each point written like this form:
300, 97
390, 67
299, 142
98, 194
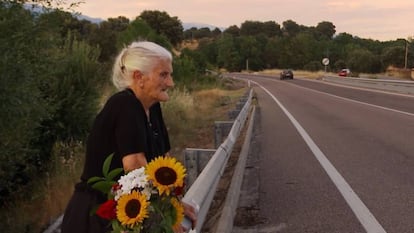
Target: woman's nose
170, 81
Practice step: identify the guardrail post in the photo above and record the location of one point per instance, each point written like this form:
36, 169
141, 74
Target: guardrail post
239, 105
221, 130
204, 187
194, 161
233, 114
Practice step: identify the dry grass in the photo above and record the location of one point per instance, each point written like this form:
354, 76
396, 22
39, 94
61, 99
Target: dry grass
190, 118
49, 196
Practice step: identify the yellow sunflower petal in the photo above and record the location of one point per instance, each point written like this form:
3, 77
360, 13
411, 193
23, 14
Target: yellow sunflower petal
166, 173
179, 211
132, 208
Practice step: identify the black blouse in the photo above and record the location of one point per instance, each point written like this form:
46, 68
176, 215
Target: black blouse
122, 128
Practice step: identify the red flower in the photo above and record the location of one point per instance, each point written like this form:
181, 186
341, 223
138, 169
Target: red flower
115, 188
179, 190
107, 210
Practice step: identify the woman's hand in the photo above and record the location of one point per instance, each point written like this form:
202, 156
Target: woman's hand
190, 212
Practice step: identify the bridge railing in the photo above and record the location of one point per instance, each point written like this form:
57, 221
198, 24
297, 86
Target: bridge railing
204, 187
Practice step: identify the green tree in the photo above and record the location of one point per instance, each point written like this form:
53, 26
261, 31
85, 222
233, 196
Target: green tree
74, 86
340, 64
22, 106
326, 29
57, 4
271, 29
209, 49
313, 66
253, 28
202, 33
228, 56
216, 32
47, 94
198, 58
60, 21
185, 68
290, 28
233, 30
140, 30
105, 36
270, 53
394, 56
189, 33
250, 50
363, 60
163, 24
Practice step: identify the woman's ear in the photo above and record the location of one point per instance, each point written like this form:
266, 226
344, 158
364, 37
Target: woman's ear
137, 75
138, 78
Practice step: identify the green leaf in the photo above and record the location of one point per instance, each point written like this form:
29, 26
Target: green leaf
107, 165
94, 179
117, 227
103, 186
114, 173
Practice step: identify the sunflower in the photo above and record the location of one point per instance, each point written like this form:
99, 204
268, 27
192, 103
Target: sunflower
132, 208
166, 173
179, 212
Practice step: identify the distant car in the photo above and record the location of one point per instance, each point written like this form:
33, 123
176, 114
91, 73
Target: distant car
344, 72
286, 74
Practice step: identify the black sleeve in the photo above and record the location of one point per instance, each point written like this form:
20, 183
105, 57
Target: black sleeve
163, 129
130, 130
162, 141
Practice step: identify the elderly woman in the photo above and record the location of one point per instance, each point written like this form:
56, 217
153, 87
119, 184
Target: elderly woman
130, 126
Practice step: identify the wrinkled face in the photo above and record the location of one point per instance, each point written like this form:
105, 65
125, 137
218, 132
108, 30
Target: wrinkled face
158, 81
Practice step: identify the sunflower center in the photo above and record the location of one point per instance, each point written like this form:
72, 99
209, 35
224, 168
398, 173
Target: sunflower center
132, 208
165, 176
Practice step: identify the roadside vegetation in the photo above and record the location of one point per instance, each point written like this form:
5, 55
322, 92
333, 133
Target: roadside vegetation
190, 119
54, 76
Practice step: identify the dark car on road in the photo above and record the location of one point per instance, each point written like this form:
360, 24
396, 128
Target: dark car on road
286, 74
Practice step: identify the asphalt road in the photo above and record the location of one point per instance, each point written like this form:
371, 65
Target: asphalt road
329, 159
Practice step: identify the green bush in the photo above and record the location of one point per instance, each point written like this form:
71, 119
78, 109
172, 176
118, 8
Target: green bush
313, 66
48, 93
22, 106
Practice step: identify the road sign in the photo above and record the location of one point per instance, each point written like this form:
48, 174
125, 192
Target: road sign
325, 61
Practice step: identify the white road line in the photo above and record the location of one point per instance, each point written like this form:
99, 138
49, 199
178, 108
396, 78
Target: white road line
365, 217
355, 101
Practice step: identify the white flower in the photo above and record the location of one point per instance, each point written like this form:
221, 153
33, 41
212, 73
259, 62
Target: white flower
135, 179
147, 191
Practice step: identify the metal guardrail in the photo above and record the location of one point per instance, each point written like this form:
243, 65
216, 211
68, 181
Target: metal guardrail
400, 86
229, 211
204, 187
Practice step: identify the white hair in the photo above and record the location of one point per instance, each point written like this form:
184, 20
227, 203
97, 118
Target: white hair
141, 56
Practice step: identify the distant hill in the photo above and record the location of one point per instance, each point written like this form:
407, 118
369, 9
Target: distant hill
90, 19
187, 26
39, 10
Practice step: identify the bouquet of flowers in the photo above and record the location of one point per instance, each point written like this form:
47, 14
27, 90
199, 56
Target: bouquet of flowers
147, 199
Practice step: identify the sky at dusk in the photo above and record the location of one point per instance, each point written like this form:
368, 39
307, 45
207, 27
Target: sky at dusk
371, 19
